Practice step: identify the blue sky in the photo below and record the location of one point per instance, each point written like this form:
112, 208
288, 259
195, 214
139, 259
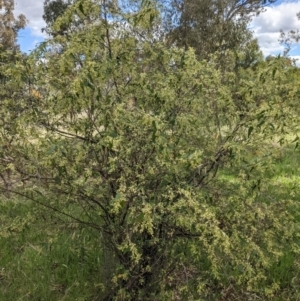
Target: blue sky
31, 35
28, 40
266, 27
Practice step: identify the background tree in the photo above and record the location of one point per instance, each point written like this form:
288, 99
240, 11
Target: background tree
52, 10
289, 38
9, 25
211, 26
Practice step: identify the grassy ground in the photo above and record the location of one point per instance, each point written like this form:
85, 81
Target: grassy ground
285, 184
43, 259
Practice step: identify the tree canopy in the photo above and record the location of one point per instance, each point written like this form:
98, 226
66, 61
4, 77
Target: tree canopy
210, 26
52, 10
9, 25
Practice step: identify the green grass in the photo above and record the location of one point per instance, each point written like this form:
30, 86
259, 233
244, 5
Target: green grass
285, 184
42, 260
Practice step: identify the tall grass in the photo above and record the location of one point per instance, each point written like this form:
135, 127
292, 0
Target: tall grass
41, 259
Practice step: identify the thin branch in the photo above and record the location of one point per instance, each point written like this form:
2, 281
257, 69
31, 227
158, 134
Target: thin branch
94, 226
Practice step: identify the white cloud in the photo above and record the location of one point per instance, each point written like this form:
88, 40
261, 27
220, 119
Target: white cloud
33, 10
268, 24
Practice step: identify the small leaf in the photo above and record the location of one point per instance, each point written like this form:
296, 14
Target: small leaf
250, 129
281, 141
154, 130
261, 123
151, 19
274, 72
250, 91
140, 218
81, 8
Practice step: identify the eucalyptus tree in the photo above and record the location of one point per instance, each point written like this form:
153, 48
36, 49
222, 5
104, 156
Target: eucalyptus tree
211, 26
289, 38
52, 10
9, 25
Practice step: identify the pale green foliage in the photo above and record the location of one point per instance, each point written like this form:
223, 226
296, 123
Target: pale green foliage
9, 25
137, 136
